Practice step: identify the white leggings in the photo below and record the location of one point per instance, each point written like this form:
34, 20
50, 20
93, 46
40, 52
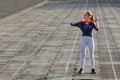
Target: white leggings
86, 41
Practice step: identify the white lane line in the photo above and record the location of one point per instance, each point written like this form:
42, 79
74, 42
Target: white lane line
113, 67
66, 69
13, 76
17, 37
68, 63
115, 13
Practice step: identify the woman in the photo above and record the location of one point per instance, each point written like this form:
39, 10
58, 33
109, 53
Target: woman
86, 27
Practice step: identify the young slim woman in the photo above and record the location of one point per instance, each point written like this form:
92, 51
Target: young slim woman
86, 27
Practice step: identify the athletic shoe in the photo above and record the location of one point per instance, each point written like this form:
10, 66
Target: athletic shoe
80, 71
93, 71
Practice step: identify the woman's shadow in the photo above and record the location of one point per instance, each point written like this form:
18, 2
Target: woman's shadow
55, 77
62, 76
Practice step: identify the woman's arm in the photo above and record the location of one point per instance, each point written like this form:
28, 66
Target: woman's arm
96, 23
75, 24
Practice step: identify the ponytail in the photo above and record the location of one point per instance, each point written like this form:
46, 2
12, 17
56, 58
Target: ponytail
91, 15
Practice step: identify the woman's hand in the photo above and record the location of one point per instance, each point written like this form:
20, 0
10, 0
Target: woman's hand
72, 24
96, 18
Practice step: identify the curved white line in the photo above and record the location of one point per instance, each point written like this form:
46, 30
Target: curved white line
68, 63
113, 68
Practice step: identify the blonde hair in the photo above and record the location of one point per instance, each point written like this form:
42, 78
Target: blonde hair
89, 13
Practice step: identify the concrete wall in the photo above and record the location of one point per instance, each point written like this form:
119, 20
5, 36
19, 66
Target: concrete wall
8, 7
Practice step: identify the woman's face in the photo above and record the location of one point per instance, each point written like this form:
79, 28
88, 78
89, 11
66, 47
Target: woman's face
86, 16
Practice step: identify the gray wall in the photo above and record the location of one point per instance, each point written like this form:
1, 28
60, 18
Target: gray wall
8, 7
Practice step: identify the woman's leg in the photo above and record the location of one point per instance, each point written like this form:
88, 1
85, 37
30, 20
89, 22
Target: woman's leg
91, 51
82, 51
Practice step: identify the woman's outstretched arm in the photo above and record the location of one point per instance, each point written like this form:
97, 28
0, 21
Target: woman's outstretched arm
75, 24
